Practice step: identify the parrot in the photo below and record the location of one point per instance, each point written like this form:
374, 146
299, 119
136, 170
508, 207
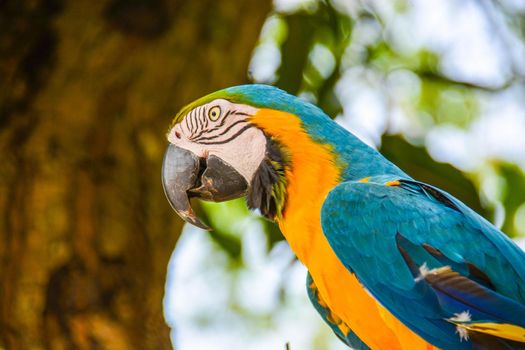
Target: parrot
393, 263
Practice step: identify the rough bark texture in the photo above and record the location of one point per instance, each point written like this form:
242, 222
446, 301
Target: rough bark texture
87, 90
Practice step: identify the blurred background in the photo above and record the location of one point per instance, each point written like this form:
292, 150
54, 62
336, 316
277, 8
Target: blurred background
91, 254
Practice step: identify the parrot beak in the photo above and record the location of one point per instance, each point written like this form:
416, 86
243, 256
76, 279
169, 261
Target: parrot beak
185, 175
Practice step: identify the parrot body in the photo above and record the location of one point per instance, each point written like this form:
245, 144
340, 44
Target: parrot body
307, 187
393, 263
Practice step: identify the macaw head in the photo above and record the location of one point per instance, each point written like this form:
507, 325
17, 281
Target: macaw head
250, 140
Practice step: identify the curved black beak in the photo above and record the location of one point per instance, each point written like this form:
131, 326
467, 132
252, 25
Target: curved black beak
185, 175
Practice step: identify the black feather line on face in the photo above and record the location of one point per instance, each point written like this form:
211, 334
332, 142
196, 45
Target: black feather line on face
267, 190
187, 121
205, 130
225, 131
190, 117
204, 117
246, 127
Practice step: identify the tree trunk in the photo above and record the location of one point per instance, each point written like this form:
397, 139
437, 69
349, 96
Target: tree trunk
87, 90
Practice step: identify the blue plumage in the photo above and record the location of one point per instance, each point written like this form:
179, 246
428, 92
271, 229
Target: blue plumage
399, 238
357, 159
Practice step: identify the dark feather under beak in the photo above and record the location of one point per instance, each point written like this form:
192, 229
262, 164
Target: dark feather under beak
185, 175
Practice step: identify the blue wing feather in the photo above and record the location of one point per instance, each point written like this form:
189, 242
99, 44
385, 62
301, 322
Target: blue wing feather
386, 233
348, 336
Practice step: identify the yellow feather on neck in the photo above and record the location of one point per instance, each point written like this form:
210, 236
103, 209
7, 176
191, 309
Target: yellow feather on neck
311, 175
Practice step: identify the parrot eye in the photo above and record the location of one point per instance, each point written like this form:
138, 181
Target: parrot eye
214, 113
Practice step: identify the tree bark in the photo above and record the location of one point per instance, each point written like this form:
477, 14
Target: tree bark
88, 89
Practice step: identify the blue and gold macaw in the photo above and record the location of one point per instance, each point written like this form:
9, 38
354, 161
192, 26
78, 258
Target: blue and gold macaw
393, 263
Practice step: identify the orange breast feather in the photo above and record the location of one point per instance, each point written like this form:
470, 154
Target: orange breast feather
312, 174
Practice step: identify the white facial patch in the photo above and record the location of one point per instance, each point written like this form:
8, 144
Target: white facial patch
221, 128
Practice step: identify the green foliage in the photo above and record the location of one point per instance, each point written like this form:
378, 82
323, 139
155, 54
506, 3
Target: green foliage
226, 220
416, 162
513, 196
272, 231
312, 54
